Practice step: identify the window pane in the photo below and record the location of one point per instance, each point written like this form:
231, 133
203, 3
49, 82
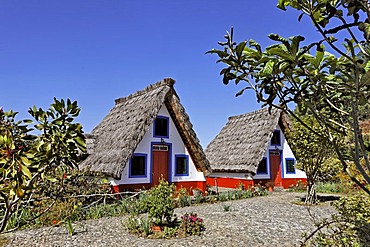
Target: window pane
290, 165
161, 127
262, 167
138, 166
275, 140
181, 166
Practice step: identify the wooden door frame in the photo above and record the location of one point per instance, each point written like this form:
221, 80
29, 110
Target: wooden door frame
280, 165
169, 145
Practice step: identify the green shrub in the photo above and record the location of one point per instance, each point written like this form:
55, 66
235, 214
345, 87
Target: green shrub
169, 232
329, 187
139, 205
349, 227
198, 198
138, 225
184, 199
145, 226
226, 207
247, 194
222, 196
132, 224
160, 202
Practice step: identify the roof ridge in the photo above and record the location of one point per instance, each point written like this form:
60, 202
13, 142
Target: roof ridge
250, 113
165, 82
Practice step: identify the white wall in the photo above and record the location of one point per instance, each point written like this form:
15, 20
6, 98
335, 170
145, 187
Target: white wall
177, 147
286, 153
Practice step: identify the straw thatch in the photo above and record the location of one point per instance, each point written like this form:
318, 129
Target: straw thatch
112, 143
241, 144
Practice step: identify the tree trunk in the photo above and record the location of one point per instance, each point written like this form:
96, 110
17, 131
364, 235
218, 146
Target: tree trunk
311, 197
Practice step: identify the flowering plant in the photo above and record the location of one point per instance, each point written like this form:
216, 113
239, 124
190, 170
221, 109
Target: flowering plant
191, 224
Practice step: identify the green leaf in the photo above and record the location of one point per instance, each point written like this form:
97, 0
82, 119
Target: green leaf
367, 66
268, 68
26, 171
279, 50
239, 48
25, 161
51, 179
27, 121
81, 141
282, 4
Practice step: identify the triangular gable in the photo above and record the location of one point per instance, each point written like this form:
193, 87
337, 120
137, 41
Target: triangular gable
115, 139
241, 144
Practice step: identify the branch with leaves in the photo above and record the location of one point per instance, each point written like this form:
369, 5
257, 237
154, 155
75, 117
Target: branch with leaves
26, 159
331, 86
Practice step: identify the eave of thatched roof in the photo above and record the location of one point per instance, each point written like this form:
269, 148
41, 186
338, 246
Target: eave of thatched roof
241, 144
113, 141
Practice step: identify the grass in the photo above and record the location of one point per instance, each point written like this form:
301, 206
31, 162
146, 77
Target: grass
322, 187
329, 187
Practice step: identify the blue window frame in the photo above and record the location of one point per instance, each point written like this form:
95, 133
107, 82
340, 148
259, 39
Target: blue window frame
138, 166
276, 138
181, 165
161, 127
262, 166
289, 165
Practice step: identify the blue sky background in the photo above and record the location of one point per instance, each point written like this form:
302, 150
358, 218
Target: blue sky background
95, 51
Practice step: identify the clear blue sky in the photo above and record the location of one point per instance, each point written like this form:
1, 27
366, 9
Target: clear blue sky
95, 51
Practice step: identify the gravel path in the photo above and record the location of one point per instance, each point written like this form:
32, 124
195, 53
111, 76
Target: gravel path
261, 221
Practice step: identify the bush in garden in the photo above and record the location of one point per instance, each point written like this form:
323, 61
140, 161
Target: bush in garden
191, 224
70, 195
184, 199
140, 205
161, 203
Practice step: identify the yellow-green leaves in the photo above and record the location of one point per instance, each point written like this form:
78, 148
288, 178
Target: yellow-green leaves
25, 157
26, 171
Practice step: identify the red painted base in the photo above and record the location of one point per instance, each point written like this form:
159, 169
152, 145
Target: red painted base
237, 182
230, 182
188, 185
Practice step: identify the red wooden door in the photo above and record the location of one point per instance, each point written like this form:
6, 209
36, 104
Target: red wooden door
160, 163
275, 168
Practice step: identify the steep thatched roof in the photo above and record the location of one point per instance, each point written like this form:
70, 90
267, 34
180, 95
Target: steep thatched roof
112, 143
241, 144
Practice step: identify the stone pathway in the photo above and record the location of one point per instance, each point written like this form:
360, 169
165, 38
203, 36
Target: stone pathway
261, 221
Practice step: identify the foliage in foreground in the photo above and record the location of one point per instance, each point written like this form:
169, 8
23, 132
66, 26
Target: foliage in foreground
78, 196
28, 160
333, 87
350, 226
311, 151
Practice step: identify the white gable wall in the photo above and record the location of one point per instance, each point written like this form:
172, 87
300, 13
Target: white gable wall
286, 152
176, 147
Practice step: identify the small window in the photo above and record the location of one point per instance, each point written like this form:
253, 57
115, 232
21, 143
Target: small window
161, 127
275, 140
289, 163
262, 167
181, 165
138, 165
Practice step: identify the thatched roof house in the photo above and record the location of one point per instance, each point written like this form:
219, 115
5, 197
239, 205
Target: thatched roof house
112, 142
241, 144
